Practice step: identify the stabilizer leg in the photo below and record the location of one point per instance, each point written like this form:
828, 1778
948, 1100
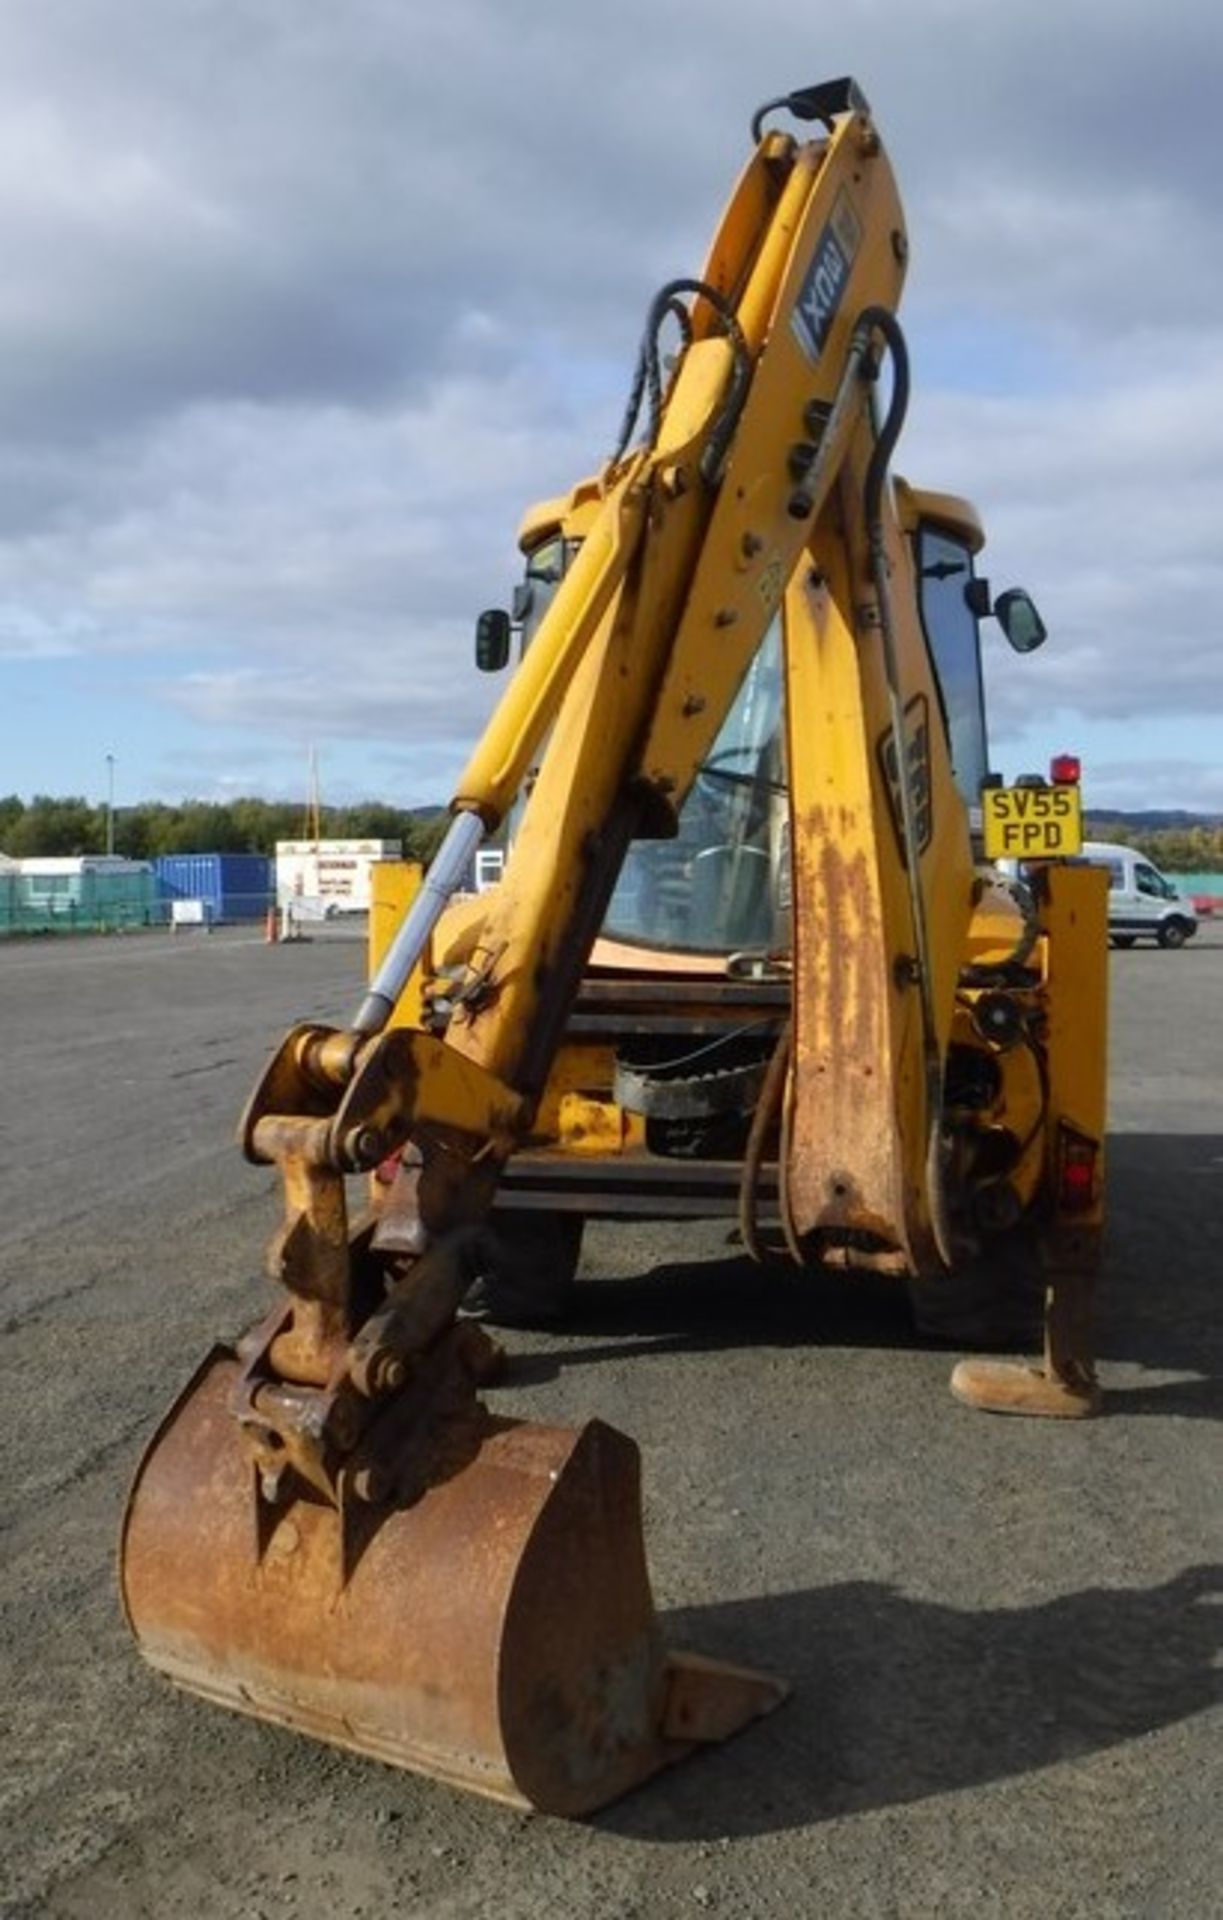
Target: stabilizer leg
1064, 1387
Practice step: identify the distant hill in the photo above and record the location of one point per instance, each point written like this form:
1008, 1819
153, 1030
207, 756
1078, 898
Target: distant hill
1150, 820
1175, 838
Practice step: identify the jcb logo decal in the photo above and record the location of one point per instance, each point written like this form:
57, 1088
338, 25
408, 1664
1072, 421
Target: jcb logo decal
826, 278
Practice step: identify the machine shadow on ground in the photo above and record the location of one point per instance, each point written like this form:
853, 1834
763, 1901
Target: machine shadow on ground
1156, 1311
1161, 1318
898, 1699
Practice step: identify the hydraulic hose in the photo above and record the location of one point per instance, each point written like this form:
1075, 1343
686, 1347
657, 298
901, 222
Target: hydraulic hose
767, 1107
648, 376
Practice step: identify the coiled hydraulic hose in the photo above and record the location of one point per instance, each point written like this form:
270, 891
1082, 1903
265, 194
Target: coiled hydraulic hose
648, 376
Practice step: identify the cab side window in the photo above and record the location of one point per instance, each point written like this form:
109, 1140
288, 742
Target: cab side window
1148, 881
944, 566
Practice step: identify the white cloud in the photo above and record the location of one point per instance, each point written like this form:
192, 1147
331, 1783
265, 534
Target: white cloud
1165, 783
1107, 498
26, 635
301, 308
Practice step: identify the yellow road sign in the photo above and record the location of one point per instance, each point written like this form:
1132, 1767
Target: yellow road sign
1032, 823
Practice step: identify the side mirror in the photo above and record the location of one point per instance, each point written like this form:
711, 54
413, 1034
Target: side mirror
492, 640
1017, 616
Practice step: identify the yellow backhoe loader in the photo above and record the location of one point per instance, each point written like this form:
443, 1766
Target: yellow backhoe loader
330, 1529
667, 1097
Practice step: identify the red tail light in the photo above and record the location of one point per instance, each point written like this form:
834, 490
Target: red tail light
1064, 769
1078, 1156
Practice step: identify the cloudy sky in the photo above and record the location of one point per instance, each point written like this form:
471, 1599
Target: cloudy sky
302, 302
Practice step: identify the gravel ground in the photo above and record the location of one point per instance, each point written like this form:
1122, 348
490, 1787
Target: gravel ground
1003, 1636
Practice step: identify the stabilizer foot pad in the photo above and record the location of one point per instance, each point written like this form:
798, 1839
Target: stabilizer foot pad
1001, 1386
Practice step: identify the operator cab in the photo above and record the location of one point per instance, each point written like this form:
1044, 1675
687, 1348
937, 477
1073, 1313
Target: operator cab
722, 885
946, 537
719, 885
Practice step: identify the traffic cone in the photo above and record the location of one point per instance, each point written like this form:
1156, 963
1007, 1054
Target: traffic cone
270, 931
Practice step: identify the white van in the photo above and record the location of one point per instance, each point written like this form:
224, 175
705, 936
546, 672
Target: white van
1142, 904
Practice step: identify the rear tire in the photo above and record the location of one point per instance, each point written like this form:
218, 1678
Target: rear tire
1173, 933
526, 1268
994, 1299
1124, 939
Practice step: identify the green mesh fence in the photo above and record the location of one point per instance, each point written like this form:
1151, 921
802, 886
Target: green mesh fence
78, 902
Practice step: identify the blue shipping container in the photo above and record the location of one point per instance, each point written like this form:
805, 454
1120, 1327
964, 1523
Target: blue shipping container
232, 886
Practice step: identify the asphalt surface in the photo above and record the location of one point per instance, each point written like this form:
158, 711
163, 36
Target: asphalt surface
1003, 1636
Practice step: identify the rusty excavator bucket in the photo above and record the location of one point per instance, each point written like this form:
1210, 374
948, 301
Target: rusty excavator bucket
473, 1603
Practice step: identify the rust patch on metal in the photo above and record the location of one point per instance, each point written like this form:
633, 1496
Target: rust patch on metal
843, 1172
496, 1632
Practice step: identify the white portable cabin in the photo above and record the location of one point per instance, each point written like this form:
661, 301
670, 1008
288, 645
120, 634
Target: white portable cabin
322, 877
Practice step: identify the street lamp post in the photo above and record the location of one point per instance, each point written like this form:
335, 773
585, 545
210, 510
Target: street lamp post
110, 804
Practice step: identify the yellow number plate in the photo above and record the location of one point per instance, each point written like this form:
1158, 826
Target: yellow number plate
1032, 823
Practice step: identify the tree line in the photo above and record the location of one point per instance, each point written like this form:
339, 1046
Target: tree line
47, 826
1172, 849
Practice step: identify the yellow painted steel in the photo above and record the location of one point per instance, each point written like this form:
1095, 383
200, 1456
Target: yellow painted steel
499, 764
394, 884
750, 215
1075, 917
615, 647
676, 628
842, 1163
457, 933
754, 541
447, 1089
997, 930
1015, 1119
597, 1127
915, 505
630, 676
527, 949
858, 1123
575, 512
577, 1111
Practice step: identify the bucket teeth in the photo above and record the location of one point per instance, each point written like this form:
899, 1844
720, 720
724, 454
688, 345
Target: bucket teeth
496, 1632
